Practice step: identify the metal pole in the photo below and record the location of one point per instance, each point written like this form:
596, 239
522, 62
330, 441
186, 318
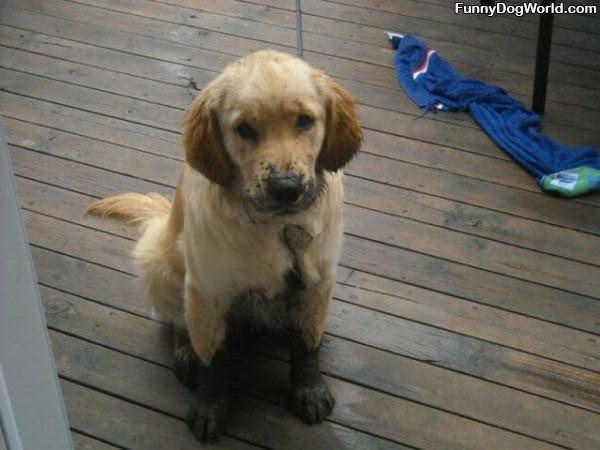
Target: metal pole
542, 60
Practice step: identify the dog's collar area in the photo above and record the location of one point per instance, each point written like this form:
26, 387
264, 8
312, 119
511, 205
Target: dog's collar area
296, 239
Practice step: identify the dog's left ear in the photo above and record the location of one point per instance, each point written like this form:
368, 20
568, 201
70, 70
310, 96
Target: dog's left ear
202, 139
343, 134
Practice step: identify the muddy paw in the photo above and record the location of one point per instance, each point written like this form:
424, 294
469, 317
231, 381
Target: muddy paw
206, 419
186, 365
313, 402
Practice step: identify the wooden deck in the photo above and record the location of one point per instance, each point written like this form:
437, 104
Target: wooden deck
467, 314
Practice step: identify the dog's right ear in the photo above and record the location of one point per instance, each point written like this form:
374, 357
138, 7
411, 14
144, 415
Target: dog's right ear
203, 141
343, 135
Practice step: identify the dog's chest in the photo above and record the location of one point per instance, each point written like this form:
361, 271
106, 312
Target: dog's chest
274, 294
257, 310
231, 261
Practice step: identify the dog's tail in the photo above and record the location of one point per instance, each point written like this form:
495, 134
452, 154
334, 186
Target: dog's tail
131, 208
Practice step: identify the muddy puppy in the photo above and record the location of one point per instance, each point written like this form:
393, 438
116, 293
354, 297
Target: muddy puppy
255, 228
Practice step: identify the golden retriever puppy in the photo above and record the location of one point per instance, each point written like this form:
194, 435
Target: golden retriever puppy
254, 232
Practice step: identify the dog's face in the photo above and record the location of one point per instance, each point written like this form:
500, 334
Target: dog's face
267, 127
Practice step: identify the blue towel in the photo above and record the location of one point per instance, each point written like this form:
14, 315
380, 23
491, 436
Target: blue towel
432, 83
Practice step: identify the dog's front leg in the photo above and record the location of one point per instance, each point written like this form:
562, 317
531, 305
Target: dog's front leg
206, 326
311, 399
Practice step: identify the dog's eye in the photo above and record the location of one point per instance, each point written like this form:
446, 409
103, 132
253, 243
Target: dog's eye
304, 122
246, 131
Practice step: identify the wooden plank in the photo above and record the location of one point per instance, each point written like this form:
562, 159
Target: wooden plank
400, 420
390, 373
49, 233
573, 137
152, 168
180, 97
129, 43
383, 141
130, 86
472, 220
341, 27
536, 337
96, 98
496, 168
395, 173
450, 278
65, 204
83, 442
164, 117
89, 180
240, 27
395, 334
156, 29
433, 240
110, 81
380, 302
558, 307
538, 207
128, 425
390, 297
436, 309
100, 57
158, 389
437, 132
506, 26
557, 211
567, 134
102, 103
339, 67
572, 30
80, 18
476, 251
103, 129
378, 143
184, 75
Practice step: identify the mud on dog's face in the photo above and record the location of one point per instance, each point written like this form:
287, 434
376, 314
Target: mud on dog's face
267, 127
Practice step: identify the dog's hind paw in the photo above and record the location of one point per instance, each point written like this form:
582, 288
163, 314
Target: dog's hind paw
312, 402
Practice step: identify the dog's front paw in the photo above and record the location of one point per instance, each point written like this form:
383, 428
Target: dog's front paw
186, 365
206, 419
312, 402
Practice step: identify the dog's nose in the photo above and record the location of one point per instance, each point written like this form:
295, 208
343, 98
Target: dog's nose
284, 188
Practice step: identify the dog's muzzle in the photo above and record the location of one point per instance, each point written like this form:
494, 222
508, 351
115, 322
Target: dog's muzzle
285, 189
284, 193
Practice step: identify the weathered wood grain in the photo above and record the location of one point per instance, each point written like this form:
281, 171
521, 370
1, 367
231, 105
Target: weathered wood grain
83, 442
158, 389
421, 207
394, 334
129, 425
473, 191
99, 372
444, 276
399, 376
466, 310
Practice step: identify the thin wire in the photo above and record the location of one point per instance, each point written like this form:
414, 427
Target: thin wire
299, 47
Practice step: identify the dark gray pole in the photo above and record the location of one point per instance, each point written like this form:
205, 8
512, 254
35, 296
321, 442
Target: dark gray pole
542, 60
